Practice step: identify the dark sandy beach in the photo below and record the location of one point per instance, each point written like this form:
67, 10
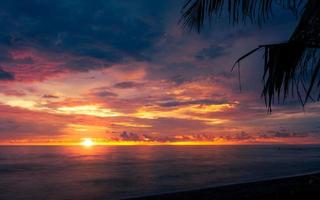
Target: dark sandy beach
302, 187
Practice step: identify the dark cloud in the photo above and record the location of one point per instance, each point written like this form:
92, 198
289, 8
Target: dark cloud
109, 31
7, 76
283, 134
178, 79
127, 85
94, 35
127, 136
105, 94
177, 72
195, 102
234, 137
84, 64
130, 136
239, 136
50, 96
211, 52
102, 92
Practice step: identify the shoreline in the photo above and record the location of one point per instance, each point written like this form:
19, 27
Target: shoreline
298, 186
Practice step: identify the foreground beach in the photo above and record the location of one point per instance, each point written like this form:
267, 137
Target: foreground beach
302, 187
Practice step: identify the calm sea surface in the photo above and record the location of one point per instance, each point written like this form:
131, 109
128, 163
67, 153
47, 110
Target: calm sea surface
126, 171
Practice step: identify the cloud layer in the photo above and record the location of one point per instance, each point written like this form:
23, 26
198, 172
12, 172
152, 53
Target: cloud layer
126, 71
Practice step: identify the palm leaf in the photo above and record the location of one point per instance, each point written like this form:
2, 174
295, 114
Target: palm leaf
196, 12
290, 67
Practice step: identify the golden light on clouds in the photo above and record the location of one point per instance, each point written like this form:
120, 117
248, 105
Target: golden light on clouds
131, 124
182, 112
85, 128
18, 102
93, 110
153, 116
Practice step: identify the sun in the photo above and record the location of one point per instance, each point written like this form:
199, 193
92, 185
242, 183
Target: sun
87, 142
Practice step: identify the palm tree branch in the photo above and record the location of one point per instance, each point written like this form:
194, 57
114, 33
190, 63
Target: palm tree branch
196, 12
290, 66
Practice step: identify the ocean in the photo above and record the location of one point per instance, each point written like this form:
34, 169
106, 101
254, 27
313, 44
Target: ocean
117, 172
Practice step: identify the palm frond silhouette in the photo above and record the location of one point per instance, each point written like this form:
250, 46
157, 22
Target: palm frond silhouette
289, 67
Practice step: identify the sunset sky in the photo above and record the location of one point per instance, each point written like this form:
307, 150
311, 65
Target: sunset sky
126, 71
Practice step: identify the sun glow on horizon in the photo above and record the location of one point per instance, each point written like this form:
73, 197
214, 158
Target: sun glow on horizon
87, 142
